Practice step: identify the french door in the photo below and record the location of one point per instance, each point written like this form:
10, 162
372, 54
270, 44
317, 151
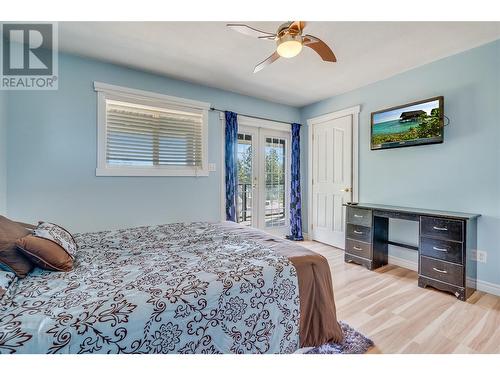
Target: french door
263, 167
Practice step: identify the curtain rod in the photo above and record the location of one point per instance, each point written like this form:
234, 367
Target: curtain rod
256, 117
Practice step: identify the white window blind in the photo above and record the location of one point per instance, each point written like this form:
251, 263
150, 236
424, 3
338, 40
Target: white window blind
150, 136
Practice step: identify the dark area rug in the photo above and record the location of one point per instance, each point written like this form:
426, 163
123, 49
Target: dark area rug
353, 343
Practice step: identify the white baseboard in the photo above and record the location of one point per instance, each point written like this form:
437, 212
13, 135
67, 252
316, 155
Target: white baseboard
405, 263
306, 236
487, 287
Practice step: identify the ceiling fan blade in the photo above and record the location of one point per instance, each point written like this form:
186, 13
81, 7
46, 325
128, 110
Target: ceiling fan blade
250, 31
275, 56
297, 25
320, 47
270, 37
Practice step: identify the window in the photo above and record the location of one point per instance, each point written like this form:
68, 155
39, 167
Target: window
147, 134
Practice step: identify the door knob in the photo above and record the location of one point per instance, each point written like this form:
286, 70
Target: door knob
346, 190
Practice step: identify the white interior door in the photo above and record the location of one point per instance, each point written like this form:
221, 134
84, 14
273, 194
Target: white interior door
263, 167
331, 179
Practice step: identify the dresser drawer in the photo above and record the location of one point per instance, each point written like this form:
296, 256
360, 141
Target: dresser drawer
360, 249
445, 229
441, 249
358, 233
397, 215
443, 271
359, 216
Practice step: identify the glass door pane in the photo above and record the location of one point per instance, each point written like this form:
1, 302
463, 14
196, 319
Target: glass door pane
245, 199
263, 179
275, 182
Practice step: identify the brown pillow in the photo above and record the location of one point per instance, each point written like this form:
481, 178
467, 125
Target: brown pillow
45, 253
26, 225
57, 234
10, 258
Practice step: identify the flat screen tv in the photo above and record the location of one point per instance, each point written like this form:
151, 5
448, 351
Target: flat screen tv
412, 124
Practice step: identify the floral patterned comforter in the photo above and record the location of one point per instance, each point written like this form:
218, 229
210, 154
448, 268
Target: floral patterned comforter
177, 288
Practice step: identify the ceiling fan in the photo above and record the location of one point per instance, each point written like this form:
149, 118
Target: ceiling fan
289, 41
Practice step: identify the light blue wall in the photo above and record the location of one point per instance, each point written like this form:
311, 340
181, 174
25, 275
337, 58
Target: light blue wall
3, 153
51, 150
52, 154
463, 173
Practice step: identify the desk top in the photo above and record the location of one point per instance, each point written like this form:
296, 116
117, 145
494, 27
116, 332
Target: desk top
418, 211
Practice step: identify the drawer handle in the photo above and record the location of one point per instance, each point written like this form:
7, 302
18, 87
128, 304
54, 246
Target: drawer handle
440, 249
358, 216
357, 248
438, 270
357, 232
440, 228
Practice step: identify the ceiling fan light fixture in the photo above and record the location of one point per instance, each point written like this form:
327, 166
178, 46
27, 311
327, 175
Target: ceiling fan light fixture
289, 40
289, 45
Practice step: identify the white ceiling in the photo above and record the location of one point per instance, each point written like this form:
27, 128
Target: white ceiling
209, 53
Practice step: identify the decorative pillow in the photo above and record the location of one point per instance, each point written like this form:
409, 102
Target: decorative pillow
57, 234
10, 259
45, 253
5, 279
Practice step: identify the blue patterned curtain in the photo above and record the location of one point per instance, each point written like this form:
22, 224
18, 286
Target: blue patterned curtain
231, 173
295, 198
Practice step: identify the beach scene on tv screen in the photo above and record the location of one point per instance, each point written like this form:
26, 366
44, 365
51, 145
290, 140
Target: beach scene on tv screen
419, 123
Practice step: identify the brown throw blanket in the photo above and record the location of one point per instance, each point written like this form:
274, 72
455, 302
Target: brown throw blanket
318, 317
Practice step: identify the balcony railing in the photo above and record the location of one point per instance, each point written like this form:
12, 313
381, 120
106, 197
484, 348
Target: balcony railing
275, 204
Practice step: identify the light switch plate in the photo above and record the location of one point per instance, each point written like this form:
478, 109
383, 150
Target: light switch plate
479, 256
211, 167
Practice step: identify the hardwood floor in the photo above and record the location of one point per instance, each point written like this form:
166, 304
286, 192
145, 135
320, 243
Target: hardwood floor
388, 306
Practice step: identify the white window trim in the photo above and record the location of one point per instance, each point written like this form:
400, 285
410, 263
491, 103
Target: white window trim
107, 91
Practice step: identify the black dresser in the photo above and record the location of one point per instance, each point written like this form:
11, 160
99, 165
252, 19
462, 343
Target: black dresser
446, 242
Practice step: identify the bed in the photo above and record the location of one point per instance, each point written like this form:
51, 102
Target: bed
176, 288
